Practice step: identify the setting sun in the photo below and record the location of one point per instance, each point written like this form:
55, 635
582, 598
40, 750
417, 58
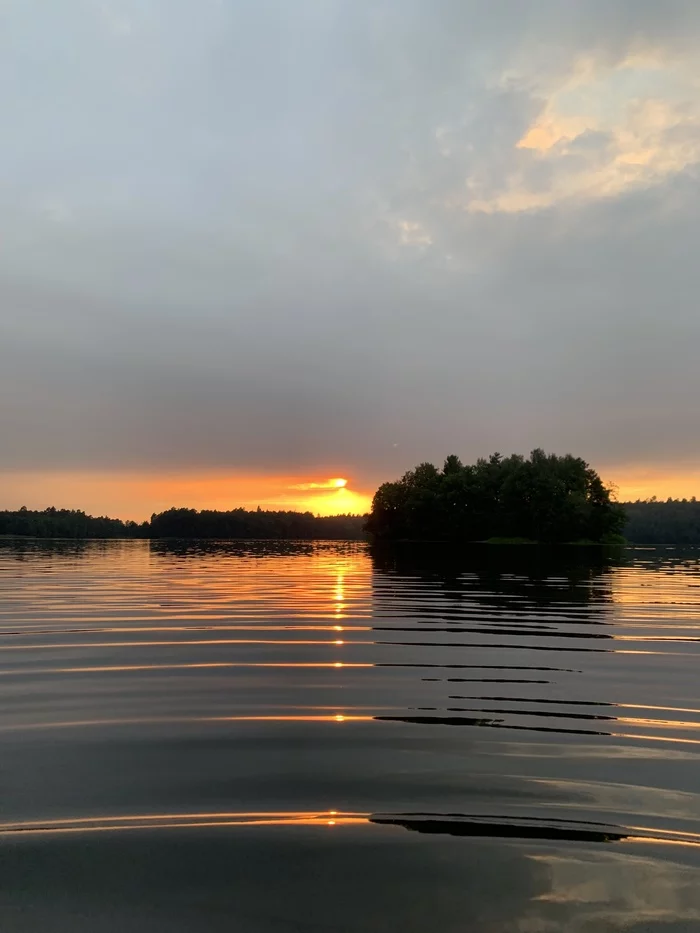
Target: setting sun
137, 495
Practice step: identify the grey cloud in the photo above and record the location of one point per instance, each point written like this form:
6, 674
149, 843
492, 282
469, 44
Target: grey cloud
241, 237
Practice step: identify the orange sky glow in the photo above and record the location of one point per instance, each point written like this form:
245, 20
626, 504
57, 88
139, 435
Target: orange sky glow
138, 495
643, 481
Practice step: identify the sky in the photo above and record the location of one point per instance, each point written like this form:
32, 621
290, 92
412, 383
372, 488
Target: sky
248, 247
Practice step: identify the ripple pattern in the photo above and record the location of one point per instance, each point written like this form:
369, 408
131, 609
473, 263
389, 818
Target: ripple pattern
181, 686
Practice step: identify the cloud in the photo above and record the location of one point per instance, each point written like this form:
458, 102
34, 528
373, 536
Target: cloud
337, 239
114, 19
323, 486
412, 233
602, 133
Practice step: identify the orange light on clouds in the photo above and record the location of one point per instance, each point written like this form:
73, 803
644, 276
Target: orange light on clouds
137, 495
324, 484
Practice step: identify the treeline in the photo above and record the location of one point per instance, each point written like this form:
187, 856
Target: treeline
67, 523
545, 498
675, 521
238, 523
508, 498
182, 523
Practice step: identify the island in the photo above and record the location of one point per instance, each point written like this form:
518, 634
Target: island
543, 498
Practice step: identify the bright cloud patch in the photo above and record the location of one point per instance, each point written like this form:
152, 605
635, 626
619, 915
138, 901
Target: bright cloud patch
602, 132
327, 484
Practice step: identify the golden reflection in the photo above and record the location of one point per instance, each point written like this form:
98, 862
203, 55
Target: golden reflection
130, 629
339, 595
658, 637
663, 709
322, 586
184, 821
200, 641
655, 607
641, 651
655, 841
182, 720
181, 628
658, 723
229, 819
655, 738
198, 665
652, 591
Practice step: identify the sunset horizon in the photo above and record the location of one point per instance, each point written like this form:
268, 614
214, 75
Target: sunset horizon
216, 289
136, 496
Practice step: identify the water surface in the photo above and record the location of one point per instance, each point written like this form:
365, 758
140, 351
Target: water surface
273, 736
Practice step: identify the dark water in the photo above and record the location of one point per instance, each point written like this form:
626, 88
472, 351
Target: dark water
312, 737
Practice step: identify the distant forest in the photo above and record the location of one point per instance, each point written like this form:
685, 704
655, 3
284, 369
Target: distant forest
238, 523
672, 522
67, 523
183, 523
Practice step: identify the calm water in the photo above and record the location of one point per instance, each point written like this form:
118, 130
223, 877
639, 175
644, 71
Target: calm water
313, 737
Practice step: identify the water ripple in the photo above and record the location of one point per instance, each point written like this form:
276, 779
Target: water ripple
290, 678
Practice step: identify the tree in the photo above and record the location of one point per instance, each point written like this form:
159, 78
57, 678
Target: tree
675, 521
543, 498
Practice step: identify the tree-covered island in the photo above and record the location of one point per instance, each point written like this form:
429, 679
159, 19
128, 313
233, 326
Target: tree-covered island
544, 498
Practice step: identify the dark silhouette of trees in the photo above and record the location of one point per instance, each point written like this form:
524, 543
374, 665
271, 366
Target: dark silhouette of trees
183, 523
675, 521
544, 498
239, 523
67, 523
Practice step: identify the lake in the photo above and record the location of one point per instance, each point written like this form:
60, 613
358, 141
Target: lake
298, 736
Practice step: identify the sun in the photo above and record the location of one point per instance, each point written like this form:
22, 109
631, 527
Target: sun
338, 483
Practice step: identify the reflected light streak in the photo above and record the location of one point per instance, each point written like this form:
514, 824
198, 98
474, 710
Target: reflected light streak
651, 593
659, 638
178, 667
158, 644
339, 596
640, 651
130, 629
655, 841
655, 738
658, 723
663, 709
183, 821
179, 720
149, 821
